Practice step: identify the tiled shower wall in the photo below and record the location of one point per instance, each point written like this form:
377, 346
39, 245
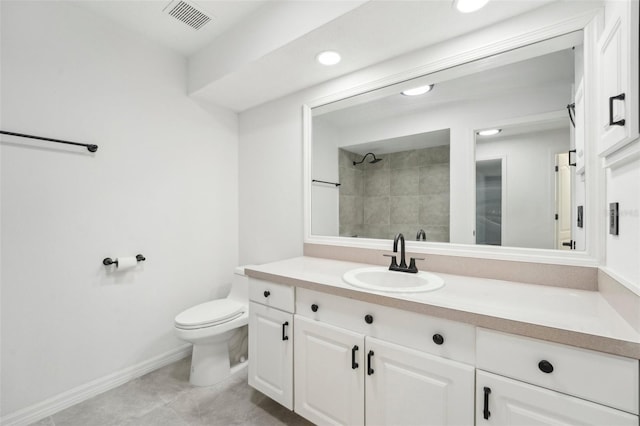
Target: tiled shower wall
405, 192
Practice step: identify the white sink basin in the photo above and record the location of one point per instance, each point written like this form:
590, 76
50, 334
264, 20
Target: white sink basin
380, 278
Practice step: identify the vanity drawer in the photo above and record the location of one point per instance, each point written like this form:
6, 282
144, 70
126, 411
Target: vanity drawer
277, 296
603, 378
448, 339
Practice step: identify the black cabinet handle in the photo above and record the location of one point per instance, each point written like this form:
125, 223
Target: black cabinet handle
438, 339
368, 319
354, 364
620, 97
314, 307
369, 369
266, 293
486, 413
284, 330
545, 366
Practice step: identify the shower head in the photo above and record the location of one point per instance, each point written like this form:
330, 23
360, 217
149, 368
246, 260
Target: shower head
375, 160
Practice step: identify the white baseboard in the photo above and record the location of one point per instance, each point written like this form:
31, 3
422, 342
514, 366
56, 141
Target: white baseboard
81, 393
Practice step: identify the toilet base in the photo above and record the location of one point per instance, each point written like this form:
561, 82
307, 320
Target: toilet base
209, 364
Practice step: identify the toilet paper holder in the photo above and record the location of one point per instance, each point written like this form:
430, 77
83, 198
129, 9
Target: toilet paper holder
108, 261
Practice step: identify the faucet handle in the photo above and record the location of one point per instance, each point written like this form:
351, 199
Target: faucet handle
394, 262
412, 265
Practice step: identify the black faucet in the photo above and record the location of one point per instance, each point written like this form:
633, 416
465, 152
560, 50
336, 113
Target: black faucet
421, 235
412, 268
403, 262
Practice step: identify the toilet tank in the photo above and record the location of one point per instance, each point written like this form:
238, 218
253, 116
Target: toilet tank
239, 286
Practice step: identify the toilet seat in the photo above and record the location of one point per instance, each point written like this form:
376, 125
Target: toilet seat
209, 314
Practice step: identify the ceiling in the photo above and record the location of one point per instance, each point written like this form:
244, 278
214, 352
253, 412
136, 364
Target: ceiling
254, 51
554, 71
149, 18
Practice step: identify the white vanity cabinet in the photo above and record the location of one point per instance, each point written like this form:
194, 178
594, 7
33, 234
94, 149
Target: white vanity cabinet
329, 380
501, 401
617, 76
525, 381
348, 375
271, 330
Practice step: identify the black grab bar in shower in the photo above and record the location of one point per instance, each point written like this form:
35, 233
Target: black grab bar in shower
90, 147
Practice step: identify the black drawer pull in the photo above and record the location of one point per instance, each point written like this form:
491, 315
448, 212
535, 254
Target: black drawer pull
620, 97
354, 364
314, 307
545, 366
368, 319
486, 413
284, 330
369, 369
438, 339
266, 293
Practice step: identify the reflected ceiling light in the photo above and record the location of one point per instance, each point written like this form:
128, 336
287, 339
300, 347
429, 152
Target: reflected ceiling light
328, 57
489, 132
467, 6
418, 90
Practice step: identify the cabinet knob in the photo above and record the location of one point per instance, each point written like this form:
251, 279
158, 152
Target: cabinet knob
438, 339
314, 307
266, 293
368, 319
545, 366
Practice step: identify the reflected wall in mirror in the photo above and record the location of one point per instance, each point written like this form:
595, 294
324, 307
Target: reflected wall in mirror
504, 196
525, 187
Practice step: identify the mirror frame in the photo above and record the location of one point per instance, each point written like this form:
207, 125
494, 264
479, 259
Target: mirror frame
590, 23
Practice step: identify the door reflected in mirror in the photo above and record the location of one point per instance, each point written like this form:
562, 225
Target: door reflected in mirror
524, 185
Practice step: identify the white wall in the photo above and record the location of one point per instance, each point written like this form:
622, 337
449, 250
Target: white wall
163, 183
623, 250
324, 208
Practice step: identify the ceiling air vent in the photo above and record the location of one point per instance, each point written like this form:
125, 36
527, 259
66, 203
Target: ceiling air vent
188, 13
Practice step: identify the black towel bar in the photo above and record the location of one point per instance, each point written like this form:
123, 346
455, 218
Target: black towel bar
90, 147
324, 181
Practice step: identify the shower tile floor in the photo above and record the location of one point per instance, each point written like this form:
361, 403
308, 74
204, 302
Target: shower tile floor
165, 398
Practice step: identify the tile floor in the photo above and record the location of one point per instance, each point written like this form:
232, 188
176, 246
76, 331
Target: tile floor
165, 398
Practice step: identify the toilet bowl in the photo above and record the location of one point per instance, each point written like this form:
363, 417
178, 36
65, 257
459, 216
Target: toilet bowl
209, 326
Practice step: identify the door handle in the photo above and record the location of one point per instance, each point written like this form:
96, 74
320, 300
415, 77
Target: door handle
486, 413
369, 369
284, 330
619, 97
354, 364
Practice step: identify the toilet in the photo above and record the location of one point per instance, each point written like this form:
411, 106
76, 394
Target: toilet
209, 326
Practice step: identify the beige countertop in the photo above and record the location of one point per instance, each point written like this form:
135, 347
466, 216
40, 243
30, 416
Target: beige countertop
574, 317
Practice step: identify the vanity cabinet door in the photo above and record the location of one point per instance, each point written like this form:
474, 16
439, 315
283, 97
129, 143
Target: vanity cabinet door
271, 353
503, 401
329, 366
408, 387
618, 76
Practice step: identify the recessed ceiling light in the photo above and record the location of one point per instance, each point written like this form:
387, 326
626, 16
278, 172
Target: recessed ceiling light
467, 6
418, 90
328, 57
489, 132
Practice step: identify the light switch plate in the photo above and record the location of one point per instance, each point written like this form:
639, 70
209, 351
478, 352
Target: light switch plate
613, 218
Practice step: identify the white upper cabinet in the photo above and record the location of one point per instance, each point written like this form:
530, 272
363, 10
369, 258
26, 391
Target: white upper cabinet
618, 77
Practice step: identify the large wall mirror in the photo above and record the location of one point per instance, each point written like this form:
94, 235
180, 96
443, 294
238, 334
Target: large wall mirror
490, 153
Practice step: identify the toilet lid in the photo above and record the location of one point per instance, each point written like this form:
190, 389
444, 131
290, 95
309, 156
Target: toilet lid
209, 313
